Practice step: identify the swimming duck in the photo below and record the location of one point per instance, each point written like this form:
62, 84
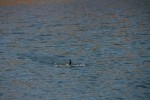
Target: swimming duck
69, 62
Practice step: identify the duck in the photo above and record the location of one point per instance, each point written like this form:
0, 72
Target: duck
70, 62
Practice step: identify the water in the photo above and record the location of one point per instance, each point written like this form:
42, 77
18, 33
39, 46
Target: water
110, 38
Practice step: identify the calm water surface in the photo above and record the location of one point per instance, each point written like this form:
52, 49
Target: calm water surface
111, 38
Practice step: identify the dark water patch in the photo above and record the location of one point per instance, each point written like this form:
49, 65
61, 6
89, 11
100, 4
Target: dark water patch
147, 84
7, 70
147, 95
1, 52
141, 86
120, 98
1, 94
57, 25
45, 35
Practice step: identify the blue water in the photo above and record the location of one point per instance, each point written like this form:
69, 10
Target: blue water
110, 38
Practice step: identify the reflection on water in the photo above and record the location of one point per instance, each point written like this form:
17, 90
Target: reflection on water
110, 39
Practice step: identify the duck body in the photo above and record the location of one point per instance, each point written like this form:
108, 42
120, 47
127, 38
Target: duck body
69, 64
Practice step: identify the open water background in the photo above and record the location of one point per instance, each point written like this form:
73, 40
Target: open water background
111, 37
